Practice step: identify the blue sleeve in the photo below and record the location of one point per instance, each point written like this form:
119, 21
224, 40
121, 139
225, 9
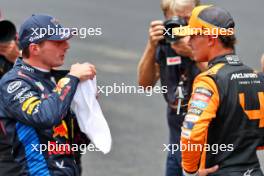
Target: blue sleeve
24, 103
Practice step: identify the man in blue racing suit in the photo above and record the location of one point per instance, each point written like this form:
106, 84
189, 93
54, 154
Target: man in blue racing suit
38, 125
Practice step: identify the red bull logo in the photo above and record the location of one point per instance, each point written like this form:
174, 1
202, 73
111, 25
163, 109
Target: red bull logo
61, 84
61, 130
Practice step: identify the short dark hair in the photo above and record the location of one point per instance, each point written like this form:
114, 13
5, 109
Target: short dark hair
228, 41
26, 52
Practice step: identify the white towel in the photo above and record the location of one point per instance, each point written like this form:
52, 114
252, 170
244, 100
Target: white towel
90, 117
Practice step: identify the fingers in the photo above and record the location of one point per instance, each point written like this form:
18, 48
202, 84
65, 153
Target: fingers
156, 31
212, 169
205, 172
91, 70
156, 23
83, 71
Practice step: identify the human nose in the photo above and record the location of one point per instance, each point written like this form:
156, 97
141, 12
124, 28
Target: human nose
66, 45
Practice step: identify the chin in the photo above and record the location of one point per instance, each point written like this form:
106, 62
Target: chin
199, 59
58, 64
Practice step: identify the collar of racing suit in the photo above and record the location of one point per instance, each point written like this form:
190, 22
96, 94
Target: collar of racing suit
230, 58
28, 69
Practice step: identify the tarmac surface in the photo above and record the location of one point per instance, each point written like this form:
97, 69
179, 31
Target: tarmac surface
137, 121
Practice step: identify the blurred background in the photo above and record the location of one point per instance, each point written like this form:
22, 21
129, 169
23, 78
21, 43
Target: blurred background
137, 122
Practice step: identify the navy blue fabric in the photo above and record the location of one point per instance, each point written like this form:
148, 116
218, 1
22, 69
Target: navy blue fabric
35, 122
170, 76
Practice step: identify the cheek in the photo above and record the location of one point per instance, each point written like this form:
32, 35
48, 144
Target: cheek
199, 49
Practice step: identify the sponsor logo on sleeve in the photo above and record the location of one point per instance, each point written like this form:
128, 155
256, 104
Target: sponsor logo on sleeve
186, 133
13, 86
199, 104
191, 118
65, 92
28, 102
20, 94
203, 91
32, 106
195, 111
188, 125
201, 97
61, 84
36, 109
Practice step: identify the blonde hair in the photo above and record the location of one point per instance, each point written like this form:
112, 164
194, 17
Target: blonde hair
177, 5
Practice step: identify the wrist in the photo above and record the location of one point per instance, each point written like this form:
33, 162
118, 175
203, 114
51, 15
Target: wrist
74, 76
152, 45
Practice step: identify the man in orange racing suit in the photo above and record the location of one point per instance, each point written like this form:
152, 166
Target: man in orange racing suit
225, 121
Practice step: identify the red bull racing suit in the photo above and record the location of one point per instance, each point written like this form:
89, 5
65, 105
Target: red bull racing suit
38, 128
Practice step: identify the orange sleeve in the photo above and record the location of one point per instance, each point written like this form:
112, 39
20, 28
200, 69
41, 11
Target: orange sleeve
202, 109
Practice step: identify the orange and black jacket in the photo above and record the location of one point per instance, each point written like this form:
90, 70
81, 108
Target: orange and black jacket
225, 120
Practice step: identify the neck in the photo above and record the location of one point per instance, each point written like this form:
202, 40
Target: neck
34, 62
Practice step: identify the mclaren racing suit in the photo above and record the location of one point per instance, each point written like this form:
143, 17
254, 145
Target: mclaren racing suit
225, 120
38, 128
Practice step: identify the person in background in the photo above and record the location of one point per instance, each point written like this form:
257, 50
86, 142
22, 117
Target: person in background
171, 62
9, 50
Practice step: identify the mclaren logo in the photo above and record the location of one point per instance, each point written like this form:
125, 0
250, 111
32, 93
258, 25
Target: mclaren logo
243, 75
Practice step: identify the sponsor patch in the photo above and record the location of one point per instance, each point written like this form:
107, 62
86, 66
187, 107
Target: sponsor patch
188, 125
61, 84
21, 93
32, 106
36, 110
13, 86
174, 60
199, 104
244, 76
201, 97
25, 97
186, 133
24, 67
232, 59
65, 92
26, 104
203, 91
195, 111
191, 118
61, 130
